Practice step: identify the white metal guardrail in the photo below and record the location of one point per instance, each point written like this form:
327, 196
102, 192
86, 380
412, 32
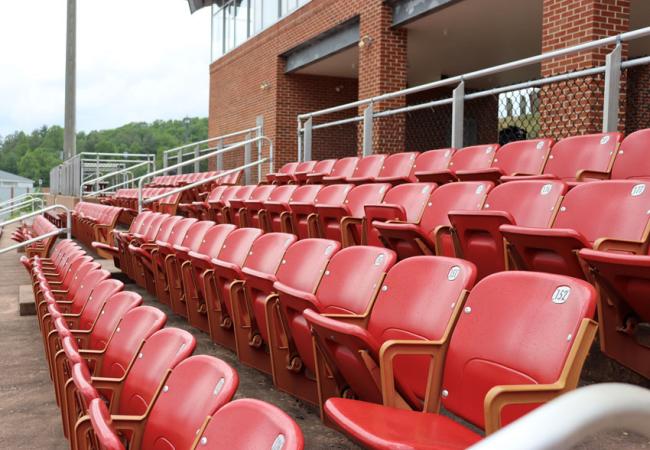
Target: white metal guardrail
127, 174
21, 197
21, 205
612, 70
67, 230
194, 149
214, 152
571, 418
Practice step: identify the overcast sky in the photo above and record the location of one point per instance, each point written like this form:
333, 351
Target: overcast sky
137, 60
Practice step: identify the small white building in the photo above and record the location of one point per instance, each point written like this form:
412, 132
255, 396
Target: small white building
12, 185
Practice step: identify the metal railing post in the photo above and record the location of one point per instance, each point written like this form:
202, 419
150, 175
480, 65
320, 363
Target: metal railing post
220, 155
612, 89
300, 140
307, 140
458, 116
368, 118
179, 159
197, 165
165, 162
247, 159
258, 134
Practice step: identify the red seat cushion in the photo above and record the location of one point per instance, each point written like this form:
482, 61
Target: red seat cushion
377, 426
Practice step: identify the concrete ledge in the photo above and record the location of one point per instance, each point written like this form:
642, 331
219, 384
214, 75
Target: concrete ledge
26, 304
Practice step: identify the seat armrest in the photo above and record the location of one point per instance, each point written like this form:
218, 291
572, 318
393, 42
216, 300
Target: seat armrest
294, 298
585, 174
545, 176
622, 246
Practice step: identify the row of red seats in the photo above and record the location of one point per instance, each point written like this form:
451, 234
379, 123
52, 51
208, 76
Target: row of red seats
128, 199
39, 227
574, 159
328, 322
94, 222
535, 225
189, 178
120, 378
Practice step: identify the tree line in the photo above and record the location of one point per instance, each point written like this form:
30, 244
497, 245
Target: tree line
33, 155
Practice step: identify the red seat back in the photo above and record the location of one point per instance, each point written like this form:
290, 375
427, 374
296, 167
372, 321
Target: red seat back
165, 230
214, 239
267, 251
453, 196
416, 288
369, 166
109, 316
399, 165
433, 160
304, 263
344, 167
405, 202
230, 427
238, 244
162, 351
87, 283
632, 159
196, 389
523, 157
179, 231
588, 152
614, 209
476, 157
531, 320
136, 326
196, 234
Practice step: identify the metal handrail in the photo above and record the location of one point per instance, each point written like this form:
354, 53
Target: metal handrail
20, 198
187, 187
21, 205
205, 141
570, 418
623, 37
41, 211
112, 174
202, 158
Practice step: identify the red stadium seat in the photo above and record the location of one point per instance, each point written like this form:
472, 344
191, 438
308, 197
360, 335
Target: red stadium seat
288, 168
222, 271
249, 214
131, 393
236, 203
487, 382
404, 203
348, 286
262, 263
623, 282
179, 255
301, 268
304, 220
277, 213
398, 168
431, 235
320, 169
432, 161
606, 215
468, 158
192, 270
230, 428
157, 281
420, 299
343, 169
278, 201
631, 161
571, 159
367, 169
531, 203
195, 389
515, 158
217, 203
343, 222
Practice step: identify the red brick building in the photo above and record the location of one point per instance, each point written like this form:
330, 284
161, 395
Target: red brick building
270, 65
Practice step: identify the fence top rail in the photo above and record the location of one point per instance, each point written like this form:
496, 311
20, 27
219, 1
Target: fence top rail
21, 197
112, 174
37, 213
206, 141
623, 37
123, 154
21, 204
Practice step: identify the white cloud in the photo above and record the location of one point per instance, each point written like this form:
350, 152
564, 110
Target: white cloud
137, 60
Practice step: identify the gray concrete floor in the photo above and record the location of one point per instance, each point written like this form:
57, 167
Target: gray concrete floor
31, 420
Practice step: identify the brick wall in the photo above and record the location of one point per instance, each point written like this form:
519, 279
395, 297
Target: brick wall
571, 107
250, 81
